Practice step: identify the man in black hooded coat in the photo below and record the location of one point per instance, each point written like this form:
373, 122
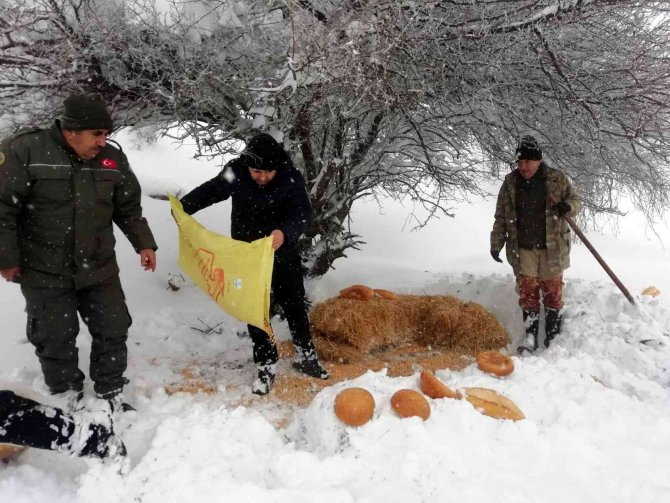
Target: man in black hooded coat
269, 199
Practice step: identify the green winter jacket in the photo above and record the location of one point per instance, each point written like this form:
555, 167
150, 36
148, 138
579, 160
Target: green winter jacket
56, 210
504, 231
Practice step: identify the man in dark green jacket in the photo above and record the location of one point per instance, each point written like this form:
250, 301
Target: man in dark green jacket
528, 222
60, 191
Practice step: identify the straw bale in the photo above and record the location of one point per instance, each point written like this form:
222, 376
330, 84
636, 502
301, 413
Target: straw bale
345, 329
402, 336
385, 294
364, 325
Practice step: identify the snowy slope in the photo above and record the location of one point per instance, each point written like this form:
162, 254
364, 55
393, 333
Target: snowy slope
597, 402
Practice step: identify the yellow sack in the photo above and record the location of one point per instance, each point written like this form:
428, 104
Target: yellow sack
236, 274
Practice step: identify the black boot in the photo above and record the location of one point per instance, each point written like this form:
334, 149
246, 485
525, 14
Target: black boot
116, 405
307, 362
265, 358
266, 378
531, 321
97, 440
553, 319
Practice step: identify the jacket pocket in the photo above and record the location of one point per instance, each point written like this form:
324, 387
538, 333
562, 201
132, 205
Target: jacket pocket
43, 252
34, 312
51, 183
105, 183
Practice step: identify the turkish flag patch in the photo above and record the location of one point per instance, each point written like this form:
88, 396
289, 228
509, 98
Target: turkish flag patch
108, 163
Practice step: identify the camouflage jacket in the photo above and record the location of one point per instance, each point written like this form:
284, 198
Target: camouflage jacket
56, 210
504, 231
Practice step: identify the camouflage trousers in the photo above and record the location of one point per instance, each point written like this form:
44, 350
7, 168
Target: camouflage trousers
538, 280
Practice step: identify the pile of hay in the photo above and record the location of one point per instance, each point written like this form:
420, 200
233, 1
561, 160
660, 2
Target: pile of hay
403, 336
347, 331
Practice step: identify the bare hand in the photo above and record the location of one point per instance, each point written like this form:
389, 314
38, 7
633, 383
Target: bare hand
11, 273
277, 239
148, 259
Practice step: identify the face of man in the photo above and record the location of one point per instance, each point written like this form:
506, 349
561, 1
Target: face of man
262, 177
87, 143
528, 168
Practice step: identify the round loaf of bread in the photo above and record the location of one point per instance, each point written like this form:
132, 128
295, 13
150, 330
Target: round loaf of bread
409, 403
651, 291
493, 404
495, 363
357, 292
434, 388
354, 406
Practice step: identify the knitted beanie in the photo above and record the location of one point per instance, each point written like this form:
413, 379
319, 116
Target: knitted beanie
529, 149
85, 111
265, 154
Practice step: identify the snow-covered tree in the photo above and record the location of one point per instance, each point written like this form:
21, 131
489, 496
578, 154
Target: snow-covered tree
417, 99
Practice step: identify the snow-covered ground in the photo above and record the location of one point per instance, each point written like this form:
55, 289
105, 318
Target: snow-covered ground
597, 402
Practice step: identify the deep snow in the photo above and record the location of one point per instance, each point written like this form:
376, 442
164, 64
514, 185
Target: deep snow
597, 402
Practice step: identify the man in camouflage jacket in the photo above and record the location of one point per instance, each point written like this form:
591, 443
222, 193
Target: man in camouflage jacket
528, 222
60, 191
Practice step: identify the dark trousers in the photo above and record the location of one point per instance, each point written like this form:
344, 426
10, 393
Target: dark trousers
53, 327
288, 291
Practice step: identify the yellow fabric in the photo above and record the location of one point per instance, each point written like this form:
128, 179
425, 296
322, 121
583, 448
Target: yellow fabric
236, 274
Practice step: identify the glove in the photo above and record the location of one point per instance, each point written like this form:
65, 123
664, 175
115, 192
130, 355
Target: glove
562, 208
496, 256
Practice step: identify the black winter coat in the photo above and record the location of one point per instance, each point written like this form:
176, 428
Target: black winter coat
257, 210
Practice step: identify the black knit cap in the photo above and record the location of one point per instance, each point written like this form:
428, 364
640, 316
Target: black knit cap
528, 149
265, 154
85, 111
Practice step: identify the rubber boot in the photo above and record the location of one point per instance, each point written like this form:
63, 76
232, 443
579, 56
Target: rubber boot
553, 321
531, 320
